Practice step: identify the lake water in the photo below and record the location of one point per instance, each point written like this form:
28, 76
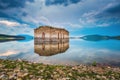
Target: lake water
72, 52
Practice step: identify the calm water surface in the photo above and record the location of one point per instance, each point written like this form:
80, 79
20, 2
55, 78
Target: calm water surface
72, 52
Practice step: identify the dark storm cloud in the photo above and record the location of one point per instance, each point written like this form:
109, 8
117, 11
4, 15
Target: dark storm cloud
6, 16
24, 14
3, 15
6, 4
61, 2
115, 10
112, 12
111, 15
13, 14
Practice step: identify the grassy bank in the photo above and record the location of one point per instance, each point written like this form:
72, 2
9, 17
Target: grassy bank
23, 70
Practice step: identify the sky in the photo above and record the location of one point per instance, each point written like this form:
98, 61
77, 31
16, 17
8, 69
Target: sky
79, 17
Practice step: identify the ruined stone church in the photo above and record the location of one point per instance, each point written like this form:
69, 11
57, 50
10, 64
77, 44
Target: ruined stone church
48, 33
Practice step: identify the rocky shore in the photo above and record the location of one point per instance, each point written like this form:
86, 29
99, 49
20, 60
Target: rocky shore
24, 70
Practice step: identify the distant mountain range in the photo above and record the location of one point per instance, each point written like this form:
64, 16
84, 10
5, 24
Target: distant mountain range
99, 37
5, 38
24, 38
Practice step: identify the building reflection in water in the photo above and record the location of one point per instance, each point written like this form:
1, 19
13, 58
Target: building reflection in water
50, 40
49, 48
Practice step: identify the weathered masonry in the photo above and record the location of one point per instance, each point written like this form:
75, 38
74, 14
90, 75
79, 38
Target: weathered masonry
47, 33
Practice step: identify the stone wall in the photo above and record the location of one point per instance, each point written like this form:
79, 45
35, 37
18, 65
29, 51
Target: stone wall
48, 33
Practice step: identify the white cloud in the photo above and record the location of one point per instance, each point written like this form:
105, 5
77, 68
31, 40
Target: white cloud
104, 25
23, 29
13, 28
9, 23
88, 19
77, 15
56, 15
71, 17
44, 20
